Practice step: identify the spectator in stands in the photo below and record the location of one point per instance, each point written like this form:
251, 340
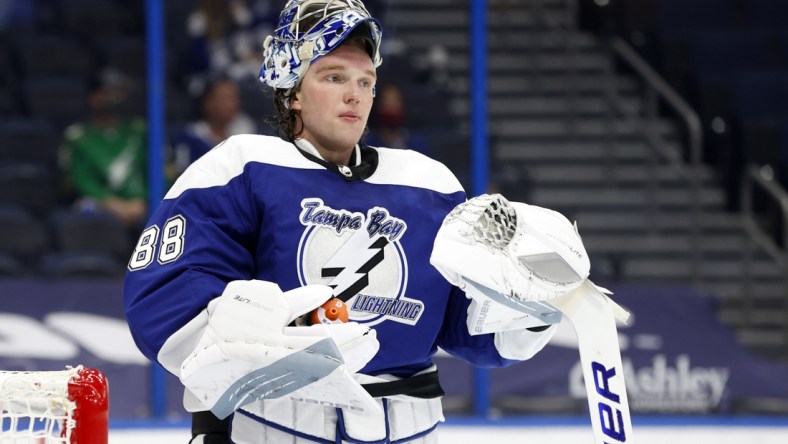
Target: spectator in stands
388, 126
225, 38
221, 117
104, 159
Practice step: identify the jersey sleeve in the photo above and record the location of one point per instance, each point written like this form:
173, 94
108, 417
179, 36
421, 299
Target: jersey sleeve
195, 242
479, 350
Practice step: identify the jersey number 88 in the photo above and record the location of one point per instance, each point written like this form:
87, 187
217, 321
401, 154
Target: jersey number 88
171, 246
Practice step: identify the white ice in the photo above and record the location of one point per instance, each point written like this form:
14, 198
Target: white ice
533, 434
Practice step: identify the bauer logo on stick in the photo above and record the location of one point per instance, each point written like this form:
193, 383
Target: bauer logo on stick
610, 404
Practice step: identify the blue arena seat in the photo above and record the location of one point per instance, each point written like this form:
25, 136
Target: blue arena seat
96, 233
90, 19
28, 140
60, 100
23, 240
29, 186
53, 55
81, 266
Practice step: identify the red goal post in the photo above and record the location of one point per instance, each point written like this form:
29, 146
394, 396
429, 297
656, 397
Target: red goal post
60, 407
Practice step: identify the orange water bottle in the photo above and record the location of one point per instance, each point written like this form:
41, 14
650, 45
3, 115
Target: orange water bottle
333, 311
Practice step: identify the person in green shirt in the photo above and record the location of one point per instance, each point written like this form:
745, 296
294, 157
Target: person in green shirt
104, 159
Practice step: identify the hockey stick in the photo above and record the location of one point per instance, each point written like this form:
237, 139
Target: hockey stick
593, 316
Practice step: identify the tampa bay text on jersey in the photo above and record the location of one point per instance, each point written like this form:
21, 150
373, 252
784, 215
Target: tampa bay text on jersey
353, 252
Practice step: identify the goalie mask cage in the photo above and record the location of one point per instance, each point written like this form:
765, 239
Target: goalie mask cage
59, 407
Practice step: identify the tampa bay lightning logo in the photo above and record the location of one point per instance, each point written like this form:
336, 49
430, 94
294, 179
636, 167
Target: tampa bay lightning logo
359, 256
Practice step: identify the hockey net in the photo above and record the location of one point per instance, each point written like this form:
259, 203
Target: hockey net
58, 407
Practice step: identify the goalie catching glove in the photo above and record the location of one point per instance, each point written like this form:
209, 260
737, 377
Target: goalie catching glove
248, 352
508, 257
523, 266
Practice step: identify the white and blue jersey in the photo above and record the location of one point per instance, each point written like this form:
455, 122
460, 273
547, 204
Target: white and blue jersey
257, 207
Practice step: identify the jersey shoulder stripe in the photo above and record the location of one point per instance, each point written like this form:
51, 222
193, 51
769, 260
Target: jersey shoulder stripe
228, 159
411, 168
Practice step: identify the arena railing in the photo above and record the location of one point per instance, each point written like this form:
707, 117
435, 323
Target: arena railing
657, 91
762, 179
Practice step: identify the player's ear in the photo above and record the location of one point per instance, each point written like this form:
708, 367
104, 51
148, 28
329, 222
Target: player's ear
295, 103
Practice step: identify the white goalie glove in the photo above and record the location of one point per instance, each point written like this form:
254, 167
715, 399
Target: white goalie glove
524, 266
508, 257
248, 352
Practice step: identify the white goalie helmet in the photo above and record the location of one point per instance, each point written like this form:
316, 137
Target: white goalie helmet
309, 29
525, 252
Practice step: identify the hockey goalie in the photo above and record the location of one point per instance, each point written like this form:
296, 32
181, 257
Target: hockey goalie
261, 231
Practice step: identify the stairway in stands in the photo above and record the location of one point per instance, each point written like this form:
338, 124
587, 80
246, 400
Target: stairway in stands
556, 142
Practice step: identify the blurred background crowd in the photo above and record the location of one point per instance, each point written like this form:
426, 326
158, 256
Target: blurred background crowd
73, 107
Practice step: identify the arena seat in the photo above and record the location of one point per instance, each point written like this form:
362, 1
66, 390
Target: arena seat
94, 232
53, 55
28, 140
29, 186
23, 240
81, 266
60, 100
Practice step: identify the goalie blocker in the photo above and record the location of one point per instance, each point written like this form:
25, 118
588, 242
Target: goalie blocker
244, 349
525, 266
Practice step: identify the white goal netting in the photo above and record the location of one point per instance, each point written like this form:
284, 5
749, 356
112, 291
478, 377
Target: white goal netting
35, 407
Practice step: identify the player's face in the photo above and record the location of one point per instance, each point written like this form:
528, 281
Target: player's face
335, 99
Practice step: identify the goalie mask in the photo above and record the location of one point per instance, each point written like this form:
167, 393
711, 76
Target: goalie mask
309, 29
